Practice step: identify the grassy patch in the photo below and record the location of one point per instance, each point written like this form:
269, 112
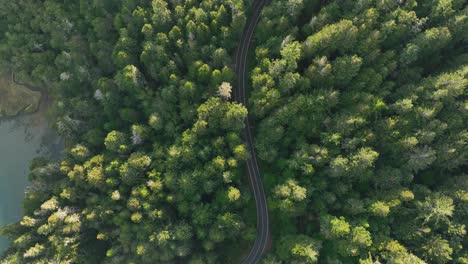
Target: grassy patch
16, 99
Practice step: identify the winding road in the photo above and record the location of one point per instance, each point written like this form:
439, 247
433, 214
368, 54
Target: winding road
255, 178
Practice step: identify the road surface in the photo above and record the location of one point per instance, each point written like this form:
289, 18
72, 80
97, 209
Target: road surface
255, 178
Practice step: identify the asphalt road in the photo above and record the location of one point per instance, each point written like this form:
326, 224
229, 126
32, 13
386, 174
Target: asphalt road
255, 178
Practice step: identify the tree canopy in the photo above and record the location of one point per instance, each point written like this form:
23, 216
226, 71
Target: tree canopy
359, 111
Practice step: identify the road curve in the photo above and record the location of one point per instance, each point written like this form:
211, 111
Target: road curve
255, 178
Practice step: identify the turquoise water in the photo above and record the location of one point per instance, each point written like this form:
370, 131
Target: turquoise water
21, 140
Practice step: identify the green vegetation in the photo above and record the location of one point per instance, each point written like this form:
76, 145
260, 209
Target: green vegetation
154, 172
16, 99
360, 111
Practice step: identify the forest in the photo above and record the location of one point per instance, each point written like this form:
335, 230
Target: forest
360, 114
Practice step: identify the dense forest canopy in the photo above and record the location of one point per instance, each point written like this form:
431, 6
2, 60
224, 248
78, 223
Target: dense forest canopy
360, 112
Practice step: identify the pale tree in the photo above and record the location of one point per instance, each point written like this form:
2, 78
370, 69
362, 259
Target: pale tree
224, 90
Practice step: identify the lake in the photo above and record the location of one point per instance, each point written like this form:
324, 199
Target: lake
21, 139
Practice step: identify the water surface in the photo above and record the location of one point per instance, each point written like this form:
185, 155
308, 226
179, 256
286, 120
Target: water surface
21, 139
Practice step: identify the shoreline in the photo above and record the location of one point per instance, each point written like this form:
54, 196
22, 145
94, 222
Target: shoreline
44, 101
37, 123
